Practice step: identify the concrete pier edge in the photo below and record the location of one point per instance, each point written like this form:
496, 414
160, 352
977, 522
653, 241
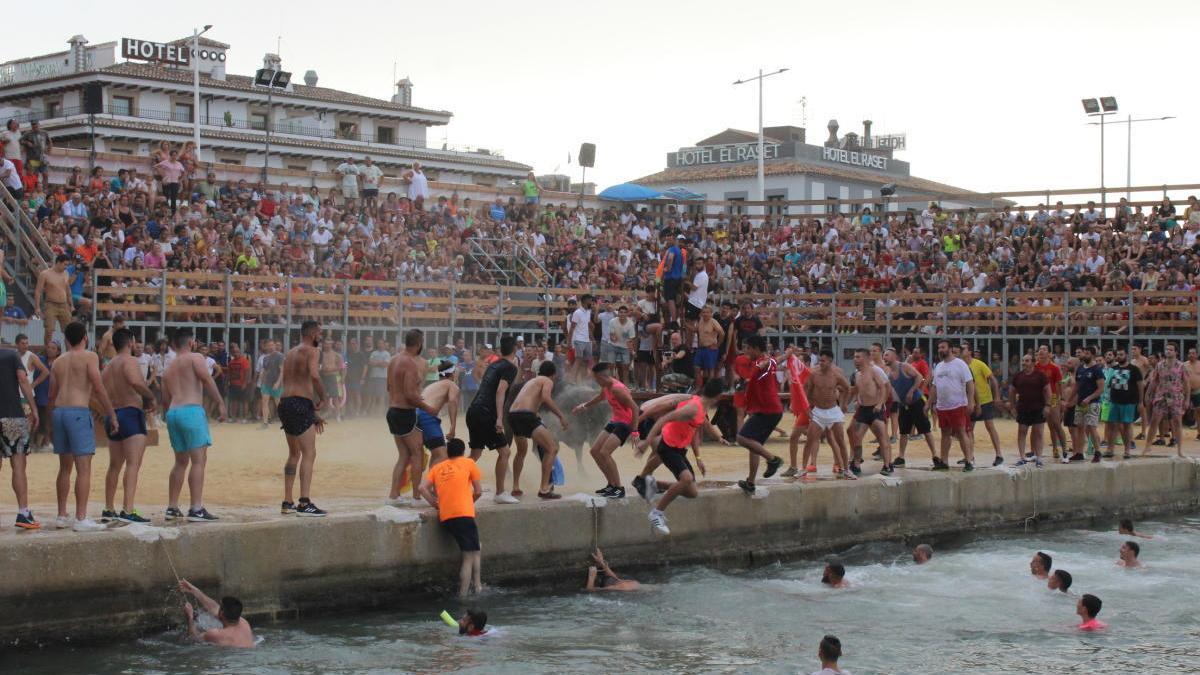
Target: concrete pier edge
60, 586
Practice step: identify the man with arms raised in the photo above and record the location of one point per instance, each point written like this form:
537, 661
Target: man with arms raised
953, 397
131, 397
872, 389
440, 394
825, 389
234, 631
74, 380
303, 393
526, 424
185, 382
622, 424
15, 427
485, 415
405, 373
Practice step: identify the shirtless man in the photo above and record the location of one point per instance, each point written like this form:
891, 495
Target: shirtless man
1192, 366
439, 395
710, 336
610, 581
1040, 564
53, 296
332, 366
526, 424
234, 631
1138, 360
873, 393
622, 425
105, 349
405, 373
826, 388
185, 383
303, 393
74, 380
132, 399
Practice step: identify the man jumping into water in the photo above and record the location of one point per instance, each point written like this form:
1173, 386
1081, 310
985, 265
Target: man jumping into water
234, 631
131, 399
303, 394
526, 424
405, 373
622, 424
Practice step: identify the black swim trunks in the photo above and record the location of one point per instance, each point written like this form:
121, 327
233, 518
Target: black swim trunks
401, 421
523, 423
758, 426
465, 532
621, 431
296, 414
675, 460
481, 425
645, 426
868, 415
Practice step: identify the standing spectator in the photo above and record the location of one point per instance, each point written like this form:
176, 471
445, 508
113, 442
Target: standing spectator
348, 171
418, 184
1124, 386
172, 172
579, 328
621, 334
377, 377
36, 144
10, 145
372, 177
10, 175
953, 396
16, 425
531, 189
237, 374
270, 381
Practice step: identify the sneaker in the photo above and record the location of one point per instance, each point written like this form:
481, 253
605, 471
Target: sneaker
1140, 437
603, 492
1023, 462
877, 455
746, 486
506, 498
939, 465
87, 525
856, 468
658, 521
1029, 455
887, 470
28, 522
1077, 457
1132, 447
132, 517
899, 462
1038, 463
639, 484
847, 474
792, 472
1096, 458
200, 515
651, 489
961, 462
308, 509
967, 466
999, 461
551, 494
616, 492
803, 475
1159, 441
893, 440
288, 508
398, 502
107, 516
773, 465
173, 513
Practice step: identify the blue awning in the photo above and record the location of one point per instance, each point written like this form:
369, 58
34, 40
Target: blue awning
681, 194
629, 192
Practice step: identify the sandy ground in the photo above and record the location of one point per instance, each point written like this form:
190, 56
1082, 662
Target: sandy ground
355, 459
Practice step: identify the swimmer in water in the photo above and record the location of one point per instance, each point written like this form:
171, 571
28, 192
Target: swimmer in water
473, 623
1129, 555
610, 581
1059, 581
829, 652
922, 554
1087, 608
1126, 528
835, 575
1040, 565
234, 631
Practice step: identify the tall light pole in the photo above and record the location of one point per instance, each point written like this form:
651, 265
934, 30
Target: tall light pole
1103, 107
762, 181
196, 33
271, 79
1129, 122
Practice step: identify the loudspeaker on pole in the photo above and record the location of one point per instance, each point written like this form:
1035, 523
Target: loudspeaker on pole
93, 98
587, 155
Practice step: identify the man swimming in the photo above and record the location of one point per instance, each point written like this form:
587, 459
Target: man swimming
621, 425
1125, 527
1059, 581
473, 623
1040, 565
526, 424
185, 382
610, 581
131, 398
835, 575
405, 373
922, 554
442, 393
234, 631
829, 651
1129, 553
303, 394
1087, 608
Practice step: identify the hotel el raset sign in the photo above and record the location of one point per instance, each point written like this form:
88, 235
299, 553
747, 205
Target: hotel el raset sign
722, 154
145, 50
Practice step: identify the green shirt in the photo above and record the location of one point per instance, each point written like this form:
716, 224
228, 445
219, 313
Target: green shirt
530, 188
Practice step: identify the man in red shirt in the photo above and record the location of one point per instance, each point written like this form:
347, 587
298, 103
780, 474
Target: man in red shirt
917, 360
237, 374
1045, 366
763, 411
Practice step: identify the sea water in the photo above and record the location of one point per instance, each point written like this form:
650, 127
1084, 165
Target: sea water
974, 609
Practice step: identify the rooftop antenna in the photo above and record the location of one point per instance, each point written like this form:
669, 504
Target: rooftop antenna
803, 111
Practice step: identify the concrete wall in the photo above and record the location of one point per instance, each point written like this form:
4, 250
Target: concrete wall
64, 585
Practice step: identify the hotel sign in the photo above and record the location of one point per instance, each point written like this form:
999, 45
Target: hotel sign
144, 50
724, 154
855, 158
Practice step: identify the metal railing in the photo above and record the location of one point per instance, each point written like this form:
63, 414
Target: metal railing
28, 251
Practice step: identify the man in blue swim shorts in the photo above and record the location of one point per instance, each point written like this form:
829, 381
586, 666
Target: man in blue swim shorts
185, 382
438, 395
127, 388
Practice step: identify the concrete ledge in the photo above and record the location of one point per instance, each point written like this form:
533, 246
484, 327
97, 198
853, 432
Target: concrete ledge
59, 585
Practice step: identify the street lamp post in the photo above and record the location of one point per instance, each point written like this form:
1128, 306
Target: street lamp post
196, 33
271, 79
1102, 107
1129, 122
762, 182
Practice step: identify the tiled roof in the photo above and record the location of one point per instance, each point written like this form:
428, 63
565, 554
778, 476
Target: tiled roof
204, 42
375, 150
245, 83
39, 57
683, 175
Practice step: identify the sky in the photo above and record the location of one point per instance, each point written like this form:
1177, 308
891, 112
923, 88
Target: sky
988, 93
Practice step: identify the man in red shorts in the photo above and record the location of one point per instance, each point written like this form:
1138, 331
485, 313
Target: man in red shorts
953, 397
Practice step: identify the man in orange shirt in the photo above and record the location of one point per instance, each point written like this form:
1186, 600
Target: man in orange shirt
453, 486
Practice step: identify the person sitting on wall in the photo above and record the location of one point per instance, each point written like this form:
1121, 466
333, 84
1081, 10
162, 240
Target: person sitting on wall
234, 631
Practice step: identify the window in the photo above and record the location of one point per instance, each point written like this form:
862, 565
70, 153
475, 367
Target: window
385, 135
122, 105
347, 130
230, 160
182, 112
297, 167
735, 207
53, 108
775, 205
258, 121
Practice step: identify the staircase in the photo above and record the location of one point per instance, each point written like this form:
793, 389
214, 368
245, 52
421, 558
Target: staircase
508, 263
26, 252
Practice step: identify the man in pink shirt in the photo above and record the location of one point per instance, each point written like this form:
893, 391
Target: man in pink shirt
171, 172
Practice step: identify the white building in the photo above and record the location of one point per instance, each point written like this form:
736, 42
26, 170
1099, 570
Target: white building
313, 128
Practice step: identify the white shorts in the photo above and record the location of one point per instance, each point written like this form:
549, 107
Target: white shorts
827, 417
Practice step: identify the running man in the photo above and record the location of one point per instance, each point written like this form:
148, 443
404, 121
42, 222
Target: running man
234, 631
485, 415
610, 581
872, 389
826, 388
303, 393
332, 372
185, 382
526, 424
74, 381
405, 373
15, 427
452, 487
798, 372
673, 433
132, 398
621, 425
763, 411
439, 394
908, 385
1058, 437
1169, 394
952, 396
1029, 394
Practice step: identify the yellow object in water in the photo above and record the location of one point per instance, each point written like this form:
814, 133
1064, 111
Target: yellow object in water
449, 619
